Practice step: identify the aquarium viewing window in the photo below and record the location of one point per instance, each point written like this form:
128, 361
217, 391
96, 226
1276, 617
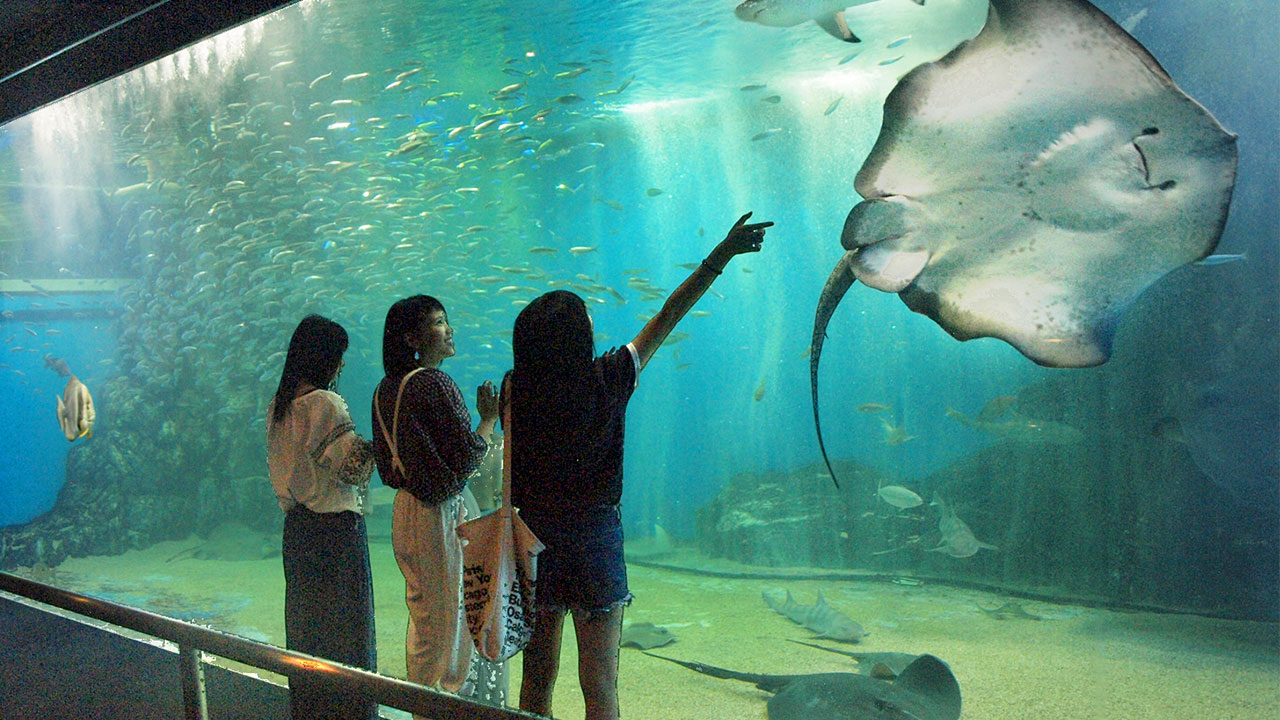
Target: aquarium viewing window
1091, 471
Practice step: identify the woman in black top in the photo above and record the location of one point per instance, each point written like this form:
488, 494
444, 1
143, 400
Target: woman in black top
568, 411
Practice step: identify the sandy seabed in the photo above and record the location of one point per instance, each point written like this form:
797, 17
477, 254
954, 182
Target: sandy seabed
1075, 662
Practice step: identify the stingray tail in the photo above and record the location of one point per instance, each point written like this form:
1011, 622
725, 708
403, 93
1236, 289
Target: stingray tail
769, 683
837, 285
847, 653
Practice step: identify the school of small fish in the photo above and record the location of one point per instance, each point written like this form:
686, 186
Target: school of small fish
303, 194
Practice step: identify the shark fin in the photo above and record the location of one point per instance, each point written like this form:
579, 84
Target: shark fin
836, 27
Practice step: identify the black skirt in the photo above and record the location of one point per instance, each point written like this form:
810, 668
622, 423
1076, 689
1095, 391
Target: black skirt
328, 606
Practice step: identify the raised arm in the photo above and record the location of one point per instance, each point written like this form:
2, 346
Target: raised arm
742, 238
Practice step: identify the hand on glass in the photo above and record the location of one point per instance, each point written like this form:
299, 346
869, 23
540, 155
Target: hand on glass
487, 401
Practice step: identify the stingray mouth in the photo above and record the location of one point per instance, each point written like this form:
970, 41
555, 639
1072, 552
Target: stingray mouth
1145, 170
1144, 167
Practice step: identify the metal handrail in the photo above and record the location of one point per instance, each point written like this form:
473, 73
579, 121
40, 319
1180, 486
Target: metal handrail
191, 639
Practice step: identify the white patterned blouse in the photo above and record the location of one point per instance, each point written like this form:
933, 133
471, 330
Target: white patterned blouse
314, 456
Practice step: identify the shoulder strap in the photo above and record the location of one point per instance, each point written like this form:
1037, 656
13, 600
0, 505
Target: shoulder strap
395, 423
506, 456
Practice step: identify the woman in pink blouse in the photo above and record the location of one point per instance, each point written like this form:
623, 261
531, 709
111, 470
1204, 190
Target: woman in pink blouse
320, 471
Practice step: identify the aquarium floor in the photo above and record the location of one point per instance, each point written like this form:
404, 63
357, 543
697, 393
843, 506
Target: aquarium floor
1076, 662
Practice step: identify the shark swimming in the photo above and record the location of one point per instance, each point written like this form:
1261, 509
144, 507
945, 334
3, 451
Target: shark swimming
829, 14
999, 419
957, 540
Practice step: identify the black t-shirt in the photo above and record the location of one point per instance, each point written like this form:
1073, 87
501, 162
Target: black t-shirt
589, 473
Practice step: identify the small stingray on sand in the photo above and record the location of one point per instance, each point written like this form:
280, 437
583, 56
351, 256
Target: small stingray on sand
1009, 610
233, 541
926, 690
646, 635
819, 617
879, 665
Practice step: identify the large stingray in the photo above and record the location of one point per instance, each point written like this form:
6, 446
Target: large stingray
925, 690
1031, 183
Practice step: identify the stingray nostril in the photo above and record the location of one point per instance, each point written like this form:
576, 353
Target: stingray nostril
1150, 131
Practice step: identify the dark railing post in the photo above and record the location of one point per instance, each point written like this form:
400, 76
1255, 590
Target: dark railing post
195, 705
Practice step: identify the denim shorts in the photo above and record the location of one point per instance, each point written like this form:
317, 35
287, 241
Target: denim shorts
582, 569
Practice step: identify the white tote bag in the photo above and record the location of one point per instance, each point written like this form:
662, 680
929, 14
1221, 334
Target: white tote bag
499, 572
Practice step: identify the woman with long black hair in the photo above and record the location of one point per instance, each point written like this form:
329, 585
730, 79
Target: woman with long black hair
568, 410
320, 471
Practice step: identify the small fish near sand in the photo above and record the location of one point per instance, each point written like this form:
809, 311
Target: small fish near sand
819, 617
646, 635
925, 690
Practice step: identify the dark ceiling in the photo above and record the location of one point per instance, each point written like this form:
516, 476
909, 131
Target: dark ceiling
53, 48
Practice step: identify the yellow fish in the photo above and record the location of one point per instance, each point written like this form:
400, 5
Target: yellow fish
75, 410
759, 393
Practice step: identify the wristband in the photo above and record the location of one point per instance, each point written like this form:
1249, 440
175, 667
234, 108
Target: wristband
708, 267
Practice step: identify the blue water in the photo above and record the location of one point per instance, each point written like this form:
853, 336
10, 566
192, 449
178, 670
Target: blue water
35, 470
